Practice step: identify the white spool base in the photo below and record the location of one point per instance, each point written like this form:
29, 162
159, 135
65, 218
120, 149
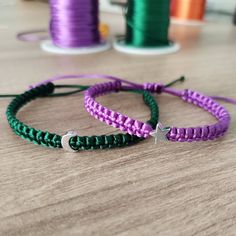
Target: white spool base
122, 47
48, 46
187, 22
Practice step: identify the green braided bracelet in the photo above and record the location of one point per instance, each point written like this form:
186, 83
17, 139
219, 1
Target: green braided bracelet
75, 142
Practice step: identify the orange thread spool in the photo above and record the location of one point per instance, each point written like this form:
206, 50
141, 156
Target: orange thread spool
189, 10
104, 31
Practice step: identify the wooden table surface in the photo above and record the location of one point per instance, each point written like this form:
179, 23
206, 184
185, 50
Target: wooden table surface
147, 189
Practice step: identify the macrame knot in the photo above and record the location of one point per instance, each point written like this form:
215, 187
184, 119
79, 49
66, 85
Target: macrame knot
44, 89
117, 85
153, 87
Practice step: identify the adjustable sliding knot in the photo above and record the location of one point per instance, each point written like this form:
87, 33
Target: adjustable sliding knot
117, 85
153, 87
44, 90
107, 87
114, 85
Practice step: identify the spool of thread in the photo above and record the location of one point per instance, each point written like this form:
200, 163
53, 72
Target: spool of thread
147, 28
234, 17
42, 34
74, 28
190, 12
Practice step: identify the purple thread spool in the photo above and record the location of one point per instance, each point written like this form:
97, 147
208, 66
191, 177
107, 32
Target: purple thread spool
74, 27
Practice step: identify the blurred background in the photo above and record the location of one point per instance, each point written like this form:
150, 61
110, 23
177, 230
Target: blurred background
223, 6
216, 11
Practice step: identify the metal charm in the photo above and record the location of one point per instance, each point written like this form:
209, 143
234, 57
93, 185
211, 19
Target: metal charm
66, 139
160, 133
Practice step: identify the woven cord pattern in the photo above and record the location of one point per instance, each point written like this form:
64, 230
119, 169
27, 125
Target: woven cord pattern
119, 140
24, 131
116, 119
77, 143
202, 133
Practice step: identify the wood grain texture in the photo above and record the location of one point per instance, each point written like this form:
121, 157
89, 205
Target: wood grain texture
166, 189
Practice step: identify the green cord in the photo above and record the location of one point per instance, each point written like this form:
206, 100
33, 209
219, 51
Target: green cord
147, 23
77, 143
180, 79
79, 88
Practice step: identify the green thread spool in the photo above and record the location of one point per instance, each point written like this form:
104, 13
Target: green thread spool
147, 28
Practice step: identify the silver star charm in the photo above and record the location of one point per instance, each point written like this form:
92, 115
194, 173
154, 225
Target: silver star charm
160, 133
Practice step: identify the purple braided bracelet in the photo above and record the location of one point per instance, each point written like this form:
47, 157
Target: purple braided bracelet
140, 129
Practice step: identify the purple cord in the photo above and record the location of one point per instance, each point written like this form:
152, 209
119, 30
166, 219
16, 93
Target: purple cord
75, 23
152, 86
86, 76
33, 35
224, 99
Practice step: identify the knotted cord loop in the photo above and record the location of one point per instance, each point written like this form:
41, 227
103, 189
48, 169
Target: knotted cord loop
153, 87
